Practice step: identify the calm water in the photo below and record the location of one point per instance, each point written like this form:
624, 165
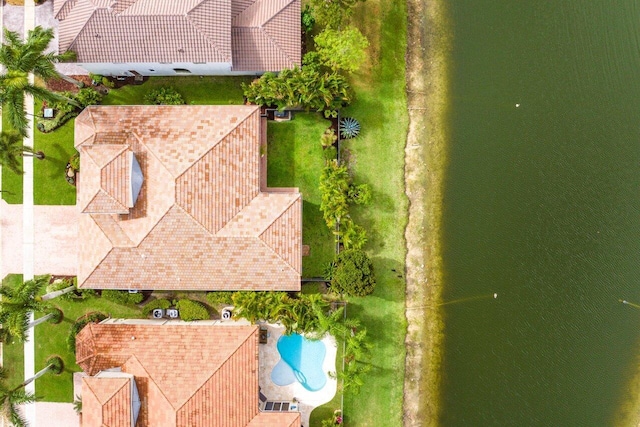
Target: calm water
542, 206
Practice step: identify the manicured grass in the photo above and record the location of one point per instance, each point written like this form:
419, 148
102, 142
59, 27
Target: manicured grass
295, 160
50, 186
13, 354
378, 159
194, 90
11, 182
52, 340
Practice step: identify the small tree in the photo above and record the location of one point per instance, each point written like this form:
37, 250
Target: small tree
342, 49
333, 13
334, 187
354, 275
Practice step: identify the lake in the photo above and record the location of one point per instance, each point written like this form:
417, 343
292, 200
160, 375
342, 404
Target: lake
542, 207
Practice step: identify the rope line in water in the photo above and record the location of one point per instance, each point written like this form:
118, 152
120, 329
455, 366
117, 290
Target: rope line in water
456, 301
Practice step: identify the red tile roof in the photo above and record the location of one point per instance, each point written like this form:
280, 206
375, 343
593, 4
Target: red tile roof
201, 221
186, 375
252, 35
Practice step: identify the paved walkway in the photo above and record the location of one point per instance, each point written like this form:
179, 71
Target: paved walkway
55, 239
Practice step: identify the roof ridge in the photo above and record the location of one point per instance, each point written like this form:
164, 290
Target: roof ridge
205, 35
82, 30
117, 390
227, 360
263, 28
266, 245
102, 192
286, 208
277, 13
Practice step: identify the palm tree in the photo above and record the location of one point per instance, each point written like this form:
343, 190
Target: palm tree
20, 58
11, 148
18, 302
10, 398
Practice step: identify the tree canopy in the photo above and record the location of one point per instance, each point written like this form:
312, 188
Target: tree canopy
341, 49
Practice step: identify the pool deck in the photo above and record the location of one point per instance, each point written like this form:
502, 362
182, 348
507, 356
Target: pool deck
307, 400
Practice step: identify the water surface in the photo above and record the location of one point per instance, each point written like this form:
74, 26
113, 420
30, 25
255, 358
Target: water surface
542, 206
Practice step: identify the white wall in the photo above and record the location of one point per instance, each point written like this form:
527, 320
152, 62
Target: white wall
158, 69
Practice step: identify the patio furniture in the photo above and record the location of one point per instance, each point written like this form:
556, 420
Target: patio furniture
264, 335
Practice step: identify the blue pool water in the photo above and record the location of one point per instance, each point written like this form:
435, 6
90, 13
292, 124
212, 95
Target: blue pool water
301, 360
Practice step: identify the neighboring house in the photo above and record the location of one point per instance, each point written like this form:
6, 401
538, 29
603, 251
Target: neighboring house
172, 375
175, 198
172, 37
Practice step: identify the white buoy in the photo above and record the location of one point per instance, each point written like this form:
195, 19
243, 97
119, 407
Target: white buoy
495, 295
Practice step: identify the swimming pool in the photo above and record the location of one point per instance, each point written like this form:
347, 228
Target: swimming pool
300, 360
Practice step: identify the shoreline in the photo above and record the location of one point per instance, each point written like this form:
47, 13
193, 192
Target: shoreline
427, 67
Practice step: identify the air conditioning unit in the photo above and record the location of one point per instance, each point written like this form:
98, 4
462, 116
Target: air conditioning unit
226, 313
173, 313
158, 313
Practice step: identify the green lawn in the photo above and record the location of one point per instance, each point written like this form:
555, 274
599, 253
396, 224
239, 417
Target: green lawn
13, 354
194, 90
378, 159
52, 340
11, 182
50, 186
295, 160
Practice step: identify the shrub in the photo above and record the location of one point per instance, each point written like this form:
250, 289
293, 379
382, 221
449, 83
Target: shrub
354, 275
192, 310
330, 153
306, 87
88, 96
164, 96
48, 125
328, 138
341, 49
220, 297
354, 236
97, 78
122, 297
332, 13
334, 186
156, 303
360, 194
74, 161
80, 323
106, 81
308, 21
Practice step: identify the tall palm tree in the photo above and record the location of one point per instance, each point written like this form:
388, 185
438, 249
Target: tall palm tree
10, 398
20, 58
11, 147
18, 302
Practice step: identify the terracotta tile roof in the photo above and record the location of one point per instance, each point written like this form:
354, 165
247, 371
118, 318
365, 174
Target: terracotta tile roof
201, 221
264, 34
106, 402
186, 374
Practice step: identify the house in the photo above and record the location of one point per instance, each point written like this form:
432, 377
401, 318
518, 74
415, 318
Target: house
172, 375
175, 198
169, 37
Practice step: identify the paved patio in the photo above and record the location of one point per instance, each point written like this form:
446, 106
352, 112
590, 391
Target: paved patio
55, 243
307, 400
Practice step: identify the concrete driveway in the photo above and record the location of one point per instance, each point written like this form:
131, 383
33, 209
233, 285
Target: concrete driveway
55, 239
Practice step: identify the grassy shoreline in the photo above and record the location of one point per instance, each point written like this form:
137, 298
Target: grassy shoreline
425, 162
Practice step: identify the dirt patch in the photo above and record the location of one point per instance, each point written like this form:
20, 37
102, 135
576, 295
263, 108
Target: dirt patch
60, 85
425, 160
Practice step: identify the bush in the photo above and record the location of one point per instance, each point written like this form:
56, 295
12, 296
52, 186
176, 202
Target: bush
192, 310
354, 274
108, 83
80, 323
360, 194
97, 78
328, 138
334, 186
330, 153
156, 303
354, 236
342, 49
87, 96
308, 21
122, 297
220, 297
164, 96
